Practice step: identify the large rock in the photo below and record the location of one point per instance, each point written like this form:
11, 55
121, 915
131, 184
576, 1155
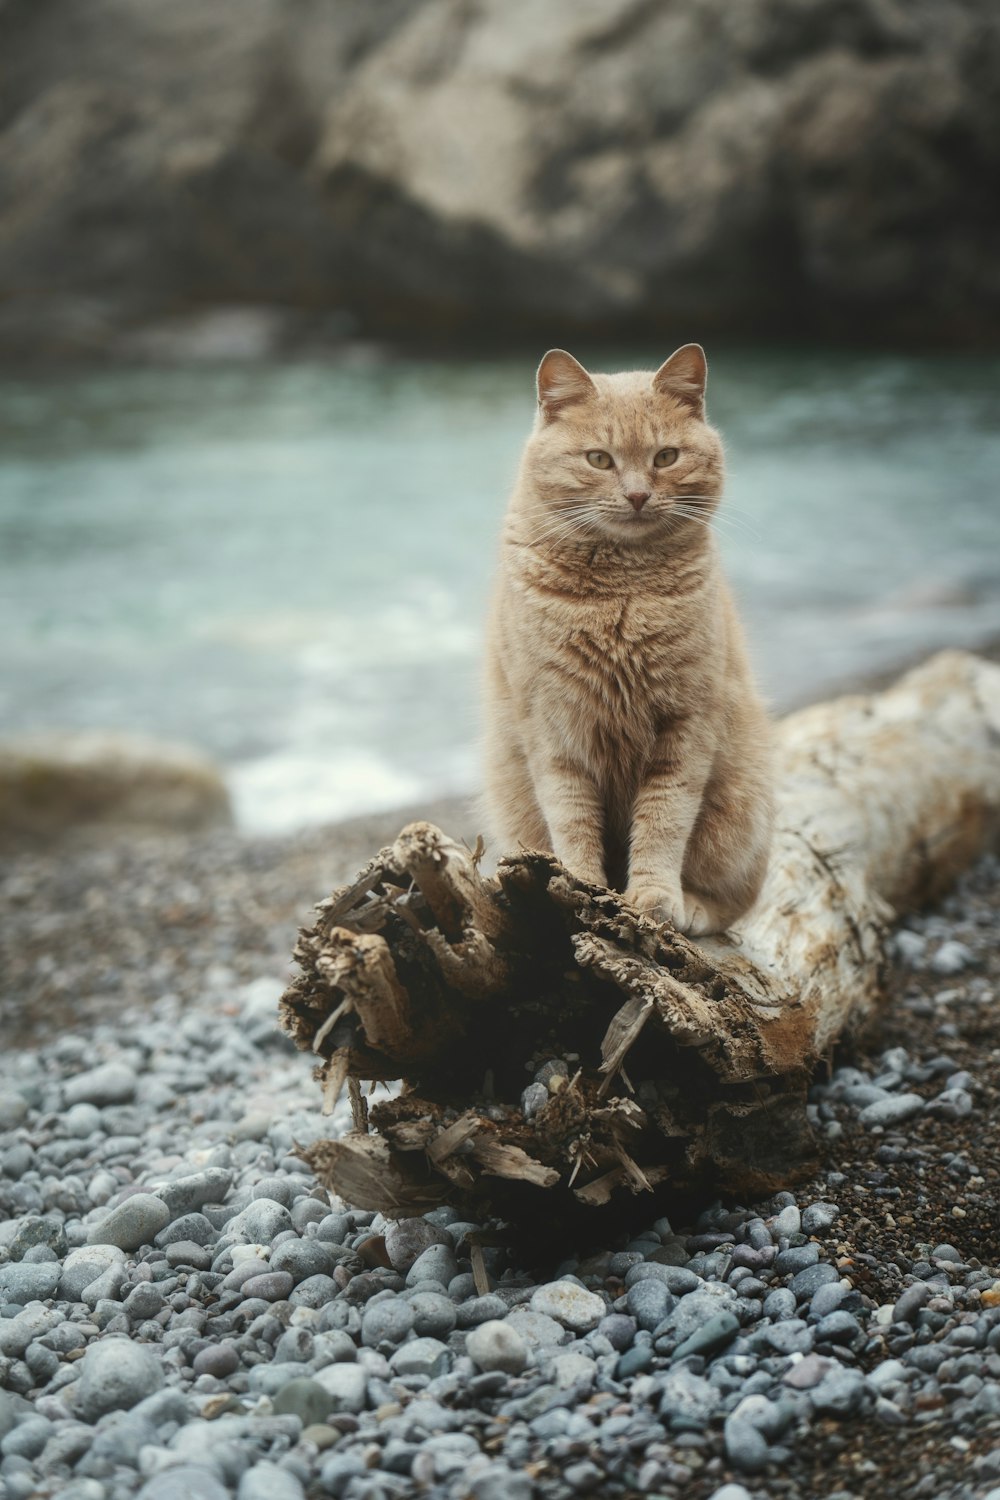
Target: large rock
51, 783
438, 167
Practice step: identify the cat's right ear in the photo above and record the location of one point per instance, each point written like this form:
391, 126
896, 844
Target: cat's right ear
561, 381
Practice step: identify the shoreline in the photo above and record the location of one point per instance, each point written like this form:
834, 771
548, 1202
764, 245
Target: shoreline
97, 923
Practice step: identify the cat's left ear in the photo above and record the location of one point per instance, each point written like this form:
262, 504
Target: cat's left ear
561, 380
684, 376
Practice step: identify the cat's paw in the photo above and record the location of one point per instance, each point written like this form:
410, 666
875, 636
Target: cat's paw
701, 916
662, 903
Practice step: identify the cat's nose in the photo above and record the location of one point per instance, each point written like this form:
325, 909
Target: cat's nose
637, 499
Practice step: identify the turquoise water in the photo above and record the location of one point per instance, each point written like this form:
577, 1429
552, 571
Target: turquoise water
288, 565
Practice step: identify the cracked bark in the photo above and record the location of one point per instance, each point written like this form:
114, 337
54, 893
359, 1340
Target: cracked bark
674, 1063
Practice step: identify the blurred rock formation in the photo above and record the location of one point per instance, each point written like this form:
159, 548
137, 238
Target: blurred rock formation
455, 169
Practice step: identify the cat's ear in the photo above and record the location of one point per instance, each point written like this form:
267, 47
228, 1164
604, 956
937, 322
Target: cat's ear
684, 376
561, 380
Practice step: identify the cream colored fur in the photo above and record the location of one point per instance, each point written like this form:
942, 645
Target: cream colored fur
623, 729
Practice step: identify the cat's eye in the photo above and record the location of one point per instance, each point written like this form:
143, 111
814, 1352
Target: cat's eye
665, 458
598, 459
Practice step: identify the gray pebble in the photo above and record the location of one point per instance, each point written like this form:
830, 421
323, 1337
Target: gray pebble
787, 1222
268, 1481
407, 1240
806, 1283
648, 1303
189, 1194
271, 1286
259, 1222
677, 1279
910, 1301
315, 1291
218, 1360
499, 1482
27, 1439
497, 1346
27, 1281
193, 1227
420, 1357
185, 1482
387, 1323
827, 1299
296, 1346
952, 957
436, 1263
304, 1398
304, 1258
819, 1217
347, 1384
144, 1301
13, 1108
82, 1120
714, 1334
687, 1400
114, 1375
839, 1393
780, 1303
893, 1110
112, 1083
788, 1262
134, 1223
434, 1316
187, 1253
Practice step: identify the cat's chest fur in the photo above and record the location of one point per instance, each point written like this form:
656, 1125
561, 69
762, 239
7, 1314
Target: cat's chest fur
614, 659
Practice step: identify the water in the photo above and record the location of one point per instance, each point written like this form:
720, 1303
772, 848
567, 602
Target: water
288, 566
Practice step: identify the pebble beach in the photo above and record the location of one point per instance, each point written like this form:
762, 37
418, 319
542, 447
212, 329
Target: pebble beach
185, 1314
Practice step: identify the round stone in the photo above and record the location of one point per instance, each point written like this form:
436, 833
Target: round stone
144, 1301
184, 1483
421, 1357
82, 1120
407, 1239
114, 1375
259, 1222
134, 1223
346, 1384
434, 1316
272, 1286
714, 1334
218, 1360
569, 1304
275, 1188
306, 1399
818, 1217
436, 1263
112, 1083
893, 1110
648, 1303
388, 1322
618, 1330
497, 1346
808, 1282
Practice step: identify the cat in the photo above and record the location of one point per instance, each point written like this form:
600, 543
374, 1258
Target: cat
623, 729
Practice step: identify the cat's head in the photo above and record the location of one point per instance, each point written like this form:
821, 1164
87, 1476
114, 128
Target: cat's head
627, 457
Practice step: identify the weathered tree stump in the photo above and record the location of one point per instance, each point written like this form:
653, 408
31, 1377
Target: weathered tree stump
669, 1062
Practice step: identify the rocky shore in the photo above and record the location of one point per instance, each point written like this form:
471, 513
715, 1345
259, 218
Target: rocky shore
184, 1312
433, 171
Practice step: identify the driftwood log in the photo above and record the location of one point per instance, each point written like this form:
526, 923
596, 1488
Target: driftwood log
664, 1062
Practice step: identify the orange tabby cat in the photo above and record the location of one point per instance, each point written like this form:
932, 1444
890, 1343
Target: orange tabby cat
624, 732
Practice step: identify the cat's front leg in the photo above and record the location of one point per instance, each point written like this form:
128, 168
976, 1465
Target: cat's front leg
574, 812
664, 815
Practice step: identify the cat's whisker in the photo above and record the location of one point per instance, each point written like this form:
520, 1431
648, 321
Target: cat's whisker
739, 519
